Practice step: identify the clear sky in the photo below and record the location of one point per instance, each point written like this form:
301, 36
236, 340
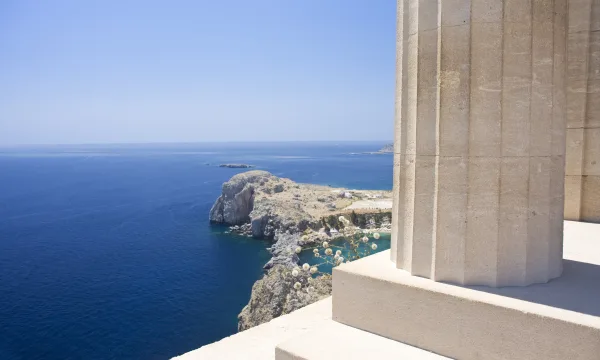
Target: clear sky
120, 71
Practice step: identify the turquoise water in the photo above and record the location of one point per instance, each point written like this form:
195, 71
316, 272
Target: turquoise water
107, 253
307, 256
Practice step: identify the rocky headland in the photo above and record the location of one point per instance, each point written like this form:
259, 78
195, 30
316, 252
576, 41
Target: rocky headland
291, 215
387, 149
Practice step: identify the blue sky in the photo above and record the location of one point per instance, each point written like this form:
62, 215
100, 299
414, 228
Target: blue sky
108, 71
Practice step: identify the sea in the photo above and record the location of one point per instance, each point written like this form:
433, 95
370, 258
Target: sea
106, 251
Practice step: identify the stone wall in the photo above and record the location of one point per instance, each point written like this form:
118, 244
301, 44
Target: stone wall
582, 183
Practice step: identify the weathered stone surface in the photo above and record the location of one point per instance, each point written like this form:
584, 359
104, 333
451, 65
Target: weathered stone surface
583, 112
274, 295
558, 320
480, 140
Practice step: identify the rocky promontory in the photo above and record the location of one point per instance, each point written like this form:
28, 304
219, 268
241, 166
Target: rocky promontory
389, 148
261, 204
386, 149
291, 215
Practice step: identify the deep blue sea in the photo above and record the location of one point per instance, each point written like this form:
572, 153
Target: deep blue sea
106, 252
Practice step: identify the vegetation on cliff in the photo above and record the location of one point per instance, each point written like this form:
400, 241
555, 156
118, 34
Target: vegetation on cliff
274, 295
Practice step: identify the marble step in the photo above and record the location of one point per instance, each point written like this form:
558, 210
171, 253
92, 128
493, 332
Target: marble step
337, 341
554, 321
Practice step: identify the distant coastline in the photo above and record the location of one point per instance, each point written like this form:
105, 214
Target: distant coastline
386, 149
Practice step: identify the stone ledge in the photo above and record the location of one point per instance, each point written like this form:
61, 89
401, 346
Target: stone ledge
558, 320
258, 343
336, 341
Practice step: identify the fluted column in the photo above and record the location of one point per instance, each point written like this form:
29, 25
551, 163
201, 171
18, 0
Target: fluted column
480, 140
582, 181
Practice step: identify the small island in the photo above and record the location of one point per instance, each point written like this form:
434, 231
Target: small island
387, 149
236, 166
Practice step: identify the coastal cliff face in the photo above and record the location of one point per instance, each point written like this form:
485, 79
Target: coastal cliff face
236, 202
274, 295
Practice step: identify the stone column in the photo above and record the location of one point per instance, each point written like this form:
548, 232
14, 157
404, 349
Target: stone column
480, 140
582, 183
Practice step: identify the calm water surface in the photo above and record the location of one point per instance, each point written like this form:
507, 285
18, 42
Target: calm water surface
106, 251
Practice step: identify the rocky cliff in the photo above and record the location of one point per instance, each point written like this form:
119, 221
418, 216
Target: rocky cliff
274, 295
236, 202
261, 205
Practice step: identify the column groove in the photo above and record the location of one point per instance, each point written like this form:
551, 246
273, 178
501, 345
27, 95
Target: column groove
474, 180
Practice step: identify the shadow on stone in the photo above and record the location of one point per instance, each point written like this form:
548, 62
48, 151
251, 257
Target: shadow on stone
578, 289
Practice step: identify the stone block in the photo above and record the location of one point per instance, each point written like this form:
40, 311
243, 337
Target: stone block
573, 197
575, 148
554, 321
591, 151
590, 199
337, 341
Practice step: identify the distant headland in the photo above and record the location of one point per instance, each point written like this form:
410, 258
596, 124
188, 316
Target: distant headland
387, 149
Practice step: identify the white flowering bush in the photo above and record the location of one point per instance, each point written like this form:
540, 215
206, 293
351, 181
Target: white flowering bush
353, 244
305, 288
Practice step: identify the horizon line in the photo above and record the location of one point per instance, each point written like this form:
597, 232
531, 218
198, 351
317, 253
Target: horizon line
190, 143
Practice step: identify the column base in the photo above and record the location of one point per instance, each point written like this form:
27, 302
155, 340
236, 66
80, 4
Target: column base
558, 320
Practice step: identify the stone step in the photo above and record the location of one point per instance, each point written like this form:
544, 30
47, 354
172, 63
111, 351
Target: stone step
337, 341
554, 321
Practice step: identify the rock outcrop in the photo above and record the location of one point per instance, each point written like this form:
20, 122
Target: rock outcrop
274, 295
266, 202
283, 250
236, 202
